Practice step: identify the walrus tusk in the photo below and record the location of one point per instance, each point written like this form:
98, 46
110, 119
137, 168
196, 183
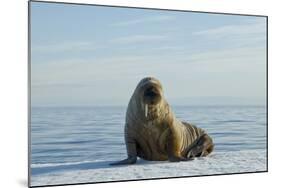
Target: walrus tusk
146, 109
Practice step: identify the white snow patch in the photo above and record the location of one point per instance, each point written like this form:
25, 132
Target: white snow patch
216, 163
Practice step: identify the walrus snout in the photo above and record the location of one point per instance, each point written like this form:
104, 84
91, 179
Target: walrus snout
151, 92
151, 95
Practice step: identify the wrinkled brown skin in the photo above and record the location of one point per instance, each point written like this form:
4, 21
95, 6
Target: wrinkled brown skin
159, 135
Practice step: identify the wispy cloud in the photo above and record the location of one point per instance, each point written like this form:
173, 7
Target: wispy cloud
214, 69
64, 47
234, 29
60, 85
232, 36
192, 55
152, 19
139, 39
77, 71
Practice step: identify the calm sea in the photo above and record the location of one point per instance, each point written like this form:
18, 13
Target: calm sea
61, 135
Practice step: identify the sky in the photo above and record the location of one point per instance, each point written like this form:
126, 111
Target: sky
96, 55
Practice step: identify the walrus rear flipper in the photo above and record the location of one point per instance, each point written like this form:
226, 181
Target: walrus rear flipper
201, 147
130, 160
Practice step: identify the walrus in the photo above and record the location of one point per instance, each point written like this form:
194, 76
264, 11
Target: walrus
152, 131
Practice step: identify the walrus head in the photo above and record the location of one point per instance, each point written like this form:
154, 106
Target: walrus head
151, 94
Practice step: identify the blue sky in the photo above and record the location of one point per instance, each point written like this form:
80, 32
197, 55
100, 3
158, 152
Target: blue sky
93, 55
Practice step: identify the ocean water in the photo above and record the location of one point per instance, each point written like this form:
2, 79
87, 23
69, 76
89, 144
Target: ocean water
69, 135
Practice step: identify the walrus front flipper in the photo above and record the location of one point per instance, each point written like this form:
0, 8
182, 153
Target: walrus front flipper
129, 160
131, 150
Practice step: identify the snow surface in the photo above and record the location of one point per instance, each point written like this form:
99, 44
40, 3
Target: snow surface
100, 171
